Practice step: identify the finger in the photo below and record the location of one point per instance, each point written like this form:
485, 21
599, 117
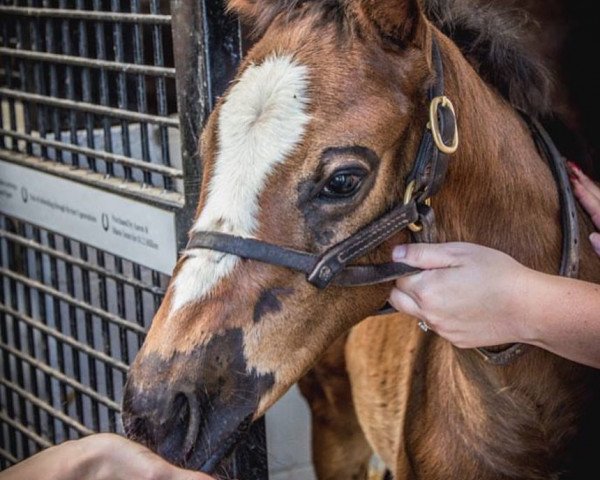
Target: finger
412, 286
583, 193
404, 303
595, 239
426, 255
586, 182
590, 203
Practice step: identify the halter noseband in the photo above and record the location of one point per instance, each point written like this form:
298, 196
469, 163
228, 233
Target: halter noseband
439, 140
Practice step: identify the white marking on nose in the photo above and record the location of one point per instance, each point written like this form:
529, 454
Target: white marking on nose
261, 121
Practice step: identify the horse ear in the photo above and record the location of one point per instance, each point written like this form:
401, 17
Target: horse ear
258, 14
398, 21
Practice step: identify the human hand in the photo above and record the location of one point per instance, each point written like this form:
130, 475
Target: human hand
102, 456
469, 294
588, 194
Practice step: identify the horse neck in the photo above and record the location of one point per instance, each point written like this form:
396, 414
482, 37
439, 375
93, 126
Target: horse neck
499, 192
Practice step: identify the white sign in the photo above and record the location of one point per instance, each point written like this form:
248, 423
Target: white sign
134, 230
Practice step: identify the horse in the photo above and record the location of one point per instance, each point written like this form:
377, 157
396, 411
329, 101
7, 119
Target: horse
310, 147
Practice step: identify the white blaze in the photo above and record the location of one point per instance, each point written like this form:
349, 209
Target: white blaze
261, 121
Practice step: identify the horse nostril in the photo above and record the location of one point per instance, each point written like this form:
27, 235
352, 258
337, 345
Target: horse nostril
181, 408
180, 426
190, 418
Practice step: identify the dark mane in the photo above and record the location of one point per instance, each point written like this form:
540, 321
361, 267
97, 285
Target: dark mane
491, 38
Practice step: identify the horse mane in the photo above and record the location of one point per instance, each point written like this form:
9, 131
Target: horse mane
491, 37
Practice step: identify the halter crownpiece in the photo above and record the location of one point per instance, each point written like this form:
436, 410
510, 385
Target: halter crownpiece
440, 139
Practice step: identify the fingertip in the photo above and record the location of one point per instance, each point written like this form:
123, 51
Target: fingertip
572, 166
399, 253
575, 169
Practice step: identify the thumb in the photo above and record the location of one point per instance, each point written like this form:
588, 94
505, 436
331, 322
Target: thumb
425, 255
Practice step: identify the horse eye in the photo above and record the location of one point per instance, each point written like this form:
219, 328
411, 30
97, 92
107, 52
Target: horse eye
343, 184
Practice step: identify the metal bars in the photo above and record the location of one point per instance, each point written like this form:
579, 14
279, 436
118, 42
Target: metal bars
72, 319
87, 83
86, 15
69, 330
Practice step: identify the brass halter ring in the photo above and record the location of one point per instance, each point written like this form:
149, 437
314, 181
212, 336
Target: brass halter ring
408, 193
434, 124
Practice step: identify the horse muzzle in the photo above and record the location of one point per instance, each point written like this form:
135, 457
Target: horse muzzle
193, 408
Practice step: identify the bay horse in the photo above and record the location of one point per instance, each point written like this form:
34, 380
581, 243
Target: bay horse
312, 142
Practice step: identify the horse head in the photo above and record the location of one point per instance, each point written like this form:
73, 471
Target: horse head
308, 145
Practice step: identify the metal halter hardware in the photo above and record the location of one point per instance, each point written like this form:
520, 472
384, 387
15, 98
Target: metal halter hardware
439, 140
434, 125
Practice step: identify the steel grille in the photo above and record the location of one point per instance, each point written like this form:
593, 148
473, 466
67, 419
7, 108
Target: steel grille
103, 93
103, 69
73, 318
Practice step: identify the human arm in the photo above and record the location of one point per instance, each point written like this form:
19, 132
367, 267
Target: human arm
475, 296
98, 457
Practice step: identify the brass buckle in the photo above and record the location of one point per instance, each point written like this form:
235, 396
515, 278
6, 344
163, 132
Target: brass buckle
434, 125
408, 194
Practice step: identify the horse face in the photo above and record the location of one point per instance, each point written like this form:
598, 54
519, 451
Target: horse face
303, 150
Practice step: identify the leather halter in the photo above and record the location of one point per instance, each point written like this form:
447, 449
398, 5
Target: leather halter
439, 140
569, 265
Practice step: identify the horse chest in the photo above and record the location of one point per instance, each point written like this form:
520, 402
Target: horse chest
378, 356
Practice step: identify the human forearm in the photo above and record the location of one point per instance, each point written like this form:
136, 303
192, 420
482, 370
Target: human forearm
562, 315
64, 462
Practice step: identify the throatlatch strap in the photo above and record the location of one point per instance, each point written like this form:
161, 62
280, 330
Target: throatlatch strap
569, 265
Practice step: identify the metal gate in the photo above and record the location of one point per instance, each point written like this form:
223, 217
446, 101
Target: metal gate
103, 96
